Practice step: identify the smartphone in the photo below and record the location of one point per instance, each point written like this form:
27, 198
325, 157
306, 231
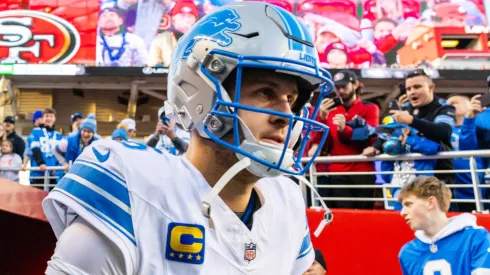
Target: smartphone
485, 99
394, 105
165, 121
401, 87
337, 101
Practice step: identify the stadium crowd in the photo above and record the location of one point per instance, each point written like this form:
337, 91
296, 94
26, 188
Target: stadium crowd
417, 122
47, 150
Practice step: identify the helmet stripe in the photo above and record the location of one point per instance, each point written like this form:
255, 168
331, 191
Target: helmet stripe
295, 29
286, 24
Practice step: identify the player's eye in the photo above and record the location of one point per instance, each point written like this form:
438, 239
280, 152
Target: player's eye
266, 93
292, 99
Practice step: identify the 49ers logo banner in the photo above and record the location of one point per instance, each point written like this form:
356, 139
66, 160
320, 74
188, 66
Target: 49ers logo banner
28, 36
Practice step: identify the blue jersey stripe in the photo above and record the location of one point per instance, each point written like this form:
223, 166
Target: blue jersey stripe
130, 238
101, 167
306, 243
304, 253
103, 180
101, 203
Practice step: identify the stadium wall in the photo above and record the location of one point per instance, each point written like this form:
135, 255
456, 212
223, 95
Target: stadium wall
363, 242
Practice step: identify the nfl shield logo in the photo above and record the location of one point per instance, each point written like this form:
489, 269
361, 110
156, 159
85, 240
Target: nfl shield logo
250, 251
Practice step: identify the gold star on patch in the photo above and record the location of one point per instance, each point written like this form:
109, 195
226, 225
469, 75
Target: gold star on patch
198, 257
189, 257
172, 254
181, 256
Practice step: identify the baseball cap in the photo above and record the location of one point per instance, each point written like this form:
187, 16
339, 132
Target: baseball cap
388, 125
344, 77
185, 6
75, 116
9, 119
418, 72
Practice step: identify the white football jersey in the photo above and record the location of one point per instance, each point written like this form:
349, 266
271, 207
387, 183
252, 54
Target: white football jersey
148, 203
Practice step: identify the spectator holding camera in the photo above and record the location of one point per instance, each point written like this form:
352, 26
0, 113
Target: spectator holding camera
464, 138
169, 137
428, 116
482, 123
351, 130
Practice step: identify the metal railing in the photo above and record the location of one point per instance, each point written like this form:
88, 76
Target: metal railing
46, 177
470, 154
313, 174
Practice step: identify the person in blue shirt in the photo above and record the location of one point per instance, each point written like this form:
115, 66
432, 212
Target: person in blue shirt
464, 138
70, 148
169, 136
44, 140
482, 122
443, 246
76, 121
398, 138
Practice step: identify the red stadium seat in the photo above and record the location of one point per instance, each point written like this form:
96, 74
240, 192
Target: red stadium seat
411, 8
285, 4
73, 11
86, 22
321, 6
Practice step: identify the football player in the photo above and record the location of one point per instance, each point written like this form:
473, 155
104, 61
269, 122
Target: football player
239, 79
443, 245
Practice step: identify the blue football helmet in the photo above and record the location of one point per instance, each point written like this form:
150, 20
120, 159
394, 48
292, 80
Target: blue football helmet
238, 36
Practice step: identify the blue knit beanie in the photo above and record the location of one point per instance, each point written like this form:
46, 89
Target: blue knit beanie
89, 123
37, 114
120, 133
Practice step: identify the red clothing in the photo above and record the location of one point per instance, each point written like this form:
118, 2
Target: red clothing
358, 56
341, 143
386, 43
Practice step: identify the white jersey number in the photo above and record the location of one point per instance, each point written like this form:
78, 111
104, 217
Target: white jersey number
47, 145
441, 266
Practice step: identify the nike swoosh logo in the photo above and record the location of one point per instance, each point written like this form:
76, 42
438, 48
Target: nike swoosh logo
99, 156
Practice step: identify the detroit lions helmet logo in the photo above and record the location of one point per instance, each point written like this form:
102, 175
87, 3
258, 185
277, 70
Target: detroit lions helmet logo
215, 28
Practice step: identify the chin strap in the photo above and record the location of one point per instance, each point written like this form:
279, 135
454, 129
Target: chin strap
327, 217
208, 199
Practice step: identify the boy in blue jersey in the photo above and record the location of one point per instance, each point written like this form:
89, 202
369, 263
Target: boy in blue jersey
443, 245
44, 140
